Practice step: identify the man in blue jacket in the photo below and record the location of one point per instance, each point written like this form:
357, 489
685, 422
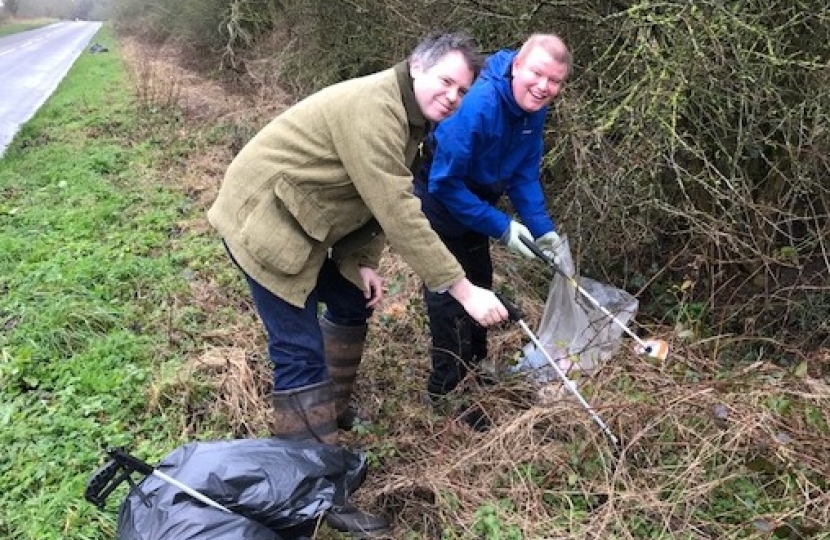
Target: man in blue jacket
491, 147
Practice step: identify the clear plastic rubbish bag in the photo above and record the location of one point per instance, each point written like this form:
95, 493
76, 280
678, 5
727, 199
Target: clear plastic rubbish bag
575, 333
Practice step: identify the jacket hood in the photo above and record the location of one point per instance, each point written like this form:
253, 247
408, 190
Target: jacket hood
497, 71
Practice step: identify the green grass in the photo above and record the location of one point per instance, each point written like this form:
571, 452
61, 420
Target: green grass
8, 28
89, 266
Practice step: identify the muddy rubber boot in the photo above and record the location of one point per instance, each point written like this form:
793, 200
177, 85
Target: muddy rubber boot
308, 413
343, 351
305, 413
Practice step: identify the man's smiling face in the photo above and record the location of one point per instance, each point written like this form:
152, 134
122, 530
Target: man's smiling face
537, 79
440, 88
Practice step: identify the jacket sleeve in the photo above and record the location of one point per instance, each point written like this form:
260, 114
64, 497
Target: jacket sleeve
526, 196
370, 138
368, 256
458, 139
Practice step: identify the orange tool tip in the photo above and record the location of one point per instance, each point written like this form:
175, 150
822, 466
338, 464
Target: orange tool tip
653, 348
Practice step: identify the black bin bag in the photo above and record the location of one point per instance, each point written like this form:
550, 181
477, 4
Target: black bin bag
275, 490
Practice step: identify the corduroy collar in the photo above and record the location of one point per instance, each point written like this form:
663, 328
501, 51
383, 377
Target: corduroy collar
413, 111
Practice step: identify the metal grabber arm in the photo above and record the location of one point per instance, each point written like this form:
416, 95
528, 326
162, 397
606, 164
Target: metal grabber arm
120, 468
516, 315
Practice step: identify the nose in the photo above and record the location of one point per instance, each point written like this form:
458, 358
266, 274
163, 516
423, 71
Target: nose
549, 86
452, 95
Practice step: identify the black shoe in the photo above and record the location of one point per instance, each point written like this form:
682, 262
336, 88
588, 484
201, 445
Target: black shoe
348, 519
347, 419
471, 415
475, 417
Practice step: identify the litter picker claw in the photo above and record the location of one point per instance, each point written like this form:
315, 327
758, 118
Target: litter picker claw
652, 348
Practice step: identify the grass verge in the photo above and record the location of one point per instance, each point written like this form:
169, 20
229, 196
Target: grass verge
91, 266
14, 26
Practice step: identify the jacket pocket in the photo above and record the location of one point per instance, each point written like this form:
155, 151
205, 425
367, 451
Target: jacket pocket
274, 238
301, 204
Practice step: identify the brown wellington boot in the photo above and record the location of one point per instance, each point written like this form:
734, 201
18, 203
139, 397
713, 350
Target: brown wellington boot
305, 413
308, 413
343, 351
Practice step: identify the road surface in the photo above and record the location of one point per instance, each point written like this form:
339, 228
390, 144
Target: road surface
32, 63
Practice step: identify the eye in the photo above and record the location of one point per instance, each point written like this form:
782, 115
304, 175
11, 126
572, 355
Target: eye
446, 81
463, 91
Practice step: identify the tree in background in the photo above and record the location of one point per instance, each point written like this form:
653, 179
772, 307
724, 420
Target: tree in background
81, 9
10, 6
62, 9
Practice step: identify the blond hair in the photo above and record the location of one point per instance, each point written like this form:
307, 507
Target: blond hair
551, 44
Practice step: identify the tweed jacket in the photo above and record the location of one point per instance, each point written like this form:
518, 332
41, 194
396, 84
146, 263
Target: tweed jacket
323, 169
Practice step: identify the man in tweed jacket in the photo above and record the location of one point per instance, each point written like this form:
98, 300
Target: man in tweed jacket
305, 210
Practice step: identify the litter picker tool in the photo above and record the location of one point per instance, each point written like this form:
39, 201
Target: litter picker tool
653, 348
515, 315
120, 469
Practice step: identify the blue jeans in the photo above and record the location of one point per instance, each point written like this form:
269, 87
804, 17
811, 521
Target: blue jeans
295, 341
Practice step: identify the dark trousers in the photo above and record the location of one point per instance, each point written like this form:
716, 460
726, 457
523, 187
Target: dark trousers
295, 341
458, 342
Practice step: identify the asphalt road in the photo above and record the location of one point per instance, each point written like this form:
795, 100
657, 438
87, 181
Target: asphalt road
32, 64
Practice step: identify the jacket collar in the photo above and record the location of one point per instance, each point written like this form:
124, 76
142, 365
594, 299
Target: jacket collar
413, 111
500, 70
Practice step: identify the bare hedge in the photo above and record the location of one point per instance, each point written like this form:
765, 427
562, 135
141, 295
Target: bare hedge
688, 157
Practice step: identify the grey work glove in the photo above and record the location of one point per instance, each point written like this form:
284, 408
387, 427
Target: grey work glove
553, 246
511, 236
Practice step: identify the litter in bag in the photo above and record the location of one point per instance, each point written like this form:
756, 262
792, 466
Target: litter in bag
274, 489
574, 332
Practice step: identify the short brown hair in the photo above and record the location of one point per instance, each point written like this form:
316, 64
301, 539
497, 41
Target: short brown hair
437, 45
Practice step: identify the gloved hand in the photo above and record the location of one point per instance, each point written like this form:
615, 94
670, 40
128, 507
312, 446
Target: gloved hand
551, 244
511, 239
555, 247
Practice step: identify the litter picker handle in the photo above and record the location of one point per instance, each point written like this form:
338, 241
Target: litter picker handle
121, 465
513, 312
132, 463
102, 483
129, 462
531, 245
112, 474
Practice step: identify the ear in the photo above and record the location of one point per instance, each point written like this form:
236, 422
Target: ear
515, 65
415, 68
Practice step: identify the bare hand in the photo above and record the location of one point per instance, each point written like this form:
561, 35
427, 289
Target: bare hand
372, 286
481, 304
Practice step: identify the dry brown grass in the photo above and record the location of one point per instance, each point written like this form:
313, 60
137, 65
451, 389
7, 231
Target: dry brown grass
706, 452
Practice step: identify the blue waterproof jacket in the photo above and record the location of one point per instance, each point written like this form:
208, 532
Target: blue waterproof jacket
488, 148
